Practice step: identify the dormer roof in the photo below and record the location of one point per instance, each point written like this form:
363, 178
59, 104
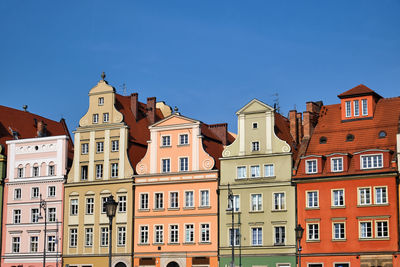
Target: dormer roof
359, 90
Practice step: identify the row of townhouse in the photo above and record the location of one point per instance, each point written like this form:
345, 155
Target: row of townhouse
194, 194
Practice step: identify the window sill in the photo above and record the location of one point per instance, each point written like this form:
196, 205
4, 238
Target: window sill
374, 239
339, 240
144, 210
381, 205
278, 245
256, 211
165, 146
204, 243
313, 241
158, 244
189, 243
279, 210
173, 208
182, 145
204, 207
159, 209
173, 244
143, 244
312, 208
188, 208
364, 205
338, 207
235, 212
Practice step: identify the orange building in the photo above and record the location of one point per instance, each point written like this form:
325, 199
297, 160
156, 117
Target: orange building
347, 198
176, 201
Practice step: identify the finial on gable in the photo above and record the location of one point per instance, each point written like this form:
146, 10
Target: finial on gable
103, 76
176, 111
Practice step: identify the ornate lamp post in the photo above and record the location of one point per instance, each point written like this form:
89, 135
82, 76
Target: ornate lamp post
299, 235
111, 208
43, 206
230, 199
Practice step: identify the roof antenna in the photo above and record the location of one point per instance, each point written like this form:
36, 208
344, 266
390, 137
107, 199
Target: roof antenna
25, 107
276, 103
123, 88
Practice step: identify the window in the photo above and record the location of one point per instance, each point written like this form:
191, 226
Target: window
114, 170
104, 236
51, 191
88, 237
241, 172
99, 171
255, 125
279, 201
323, 140
51, 243
312, 199
340, 265
173, 200
99, 147
236, 203
89, 205
103, 204
73, 237
364, 195
159, 234
371, 161
313, 231
166, 165
121, 236
348, 108
269, 170
183, 139
256, 202
74, 207
52, 214
101, 101
34, 215
234, 237
95, 118
356, 104
35, 192
166, 140
255, 146
311, 166
173, 233
205, 232
189, 199
382, 229
380, 195
204, 198
17, 193
34, 244
337, 164
349, 138
144, 234
279, 235
159, 200
85, 148
365, 230
189, 233
183, 164
338, 231
255, 171
16, 216
144, 201
52, 170
382, 134
114, 145
256, 234
20, 172
106, 117
16, 241
122, 204
35, 171
84, 172
338, 197
364, 105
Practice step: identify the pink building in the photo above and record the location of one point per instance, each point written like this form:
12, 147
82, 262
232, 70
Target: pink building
176, 205
36, 168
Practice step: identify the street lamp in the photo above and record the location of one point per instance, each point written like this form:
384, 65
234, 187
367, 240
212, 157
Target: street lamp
299, 235
111, 208
230, 199
43, 206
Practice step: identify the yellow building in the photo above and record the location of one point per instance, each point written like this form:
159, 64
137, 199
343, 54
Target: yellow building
111, 138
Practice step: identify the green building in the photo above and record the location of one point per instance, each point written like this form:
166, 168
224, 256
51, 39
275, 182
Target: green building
257, 167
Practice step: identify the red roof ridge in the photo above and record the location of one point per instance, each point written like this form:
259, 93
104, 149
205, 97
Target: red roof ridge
360, 89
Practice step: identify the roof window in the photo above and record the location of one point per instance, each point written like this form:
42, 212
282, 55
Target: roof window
382, 134
323, 140
349, 138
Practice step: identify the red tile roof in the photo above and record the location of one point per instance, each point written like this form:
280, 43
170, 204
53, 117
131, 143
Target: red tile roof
358, 91
23, 122
282, 130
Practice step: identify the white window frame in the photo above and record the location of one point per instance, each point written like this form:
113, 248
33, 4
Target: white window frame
73, 237
258, 207
333, 204
257, 243
104, 236
236, 203
162, 201
17, 193
167, 170
72, 205
106, 117
186, 141
170, 198
255, 146
33, 243
89, 206
206, 231
236, 237
334, 231
376, 198
281, 203
140, 201
364, 107
114, 170
170, 233
16, 219
359, 195
88, 237
372, 160
307, 199
186, 202
315, 161
376, 228
360, 229
347, 105
85, 148
308, 231
167, 139
121, 236
191, 233
32, 192
183, 166
144, 232
51, 170
274, 235
253, 171
356, 107
122, 203
100, 147
237, 172
162, 234
204, 205
340, 159
95, 118
99, 171
271, 171
100, 101
114, 145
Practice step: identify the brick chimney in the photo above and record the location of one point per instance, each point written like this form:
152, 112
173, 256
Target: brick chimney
299, 118
41, 129
310, 117
134, 105
151, 109
293, 125
220, 130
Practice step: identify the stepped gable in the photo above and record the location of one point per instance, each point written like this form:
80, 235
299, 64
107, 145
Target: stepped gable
139, 133
359, 90
23, 123
365, 132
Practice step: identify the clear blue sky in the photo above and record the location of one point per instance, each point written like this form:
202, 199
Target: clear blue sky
209, 58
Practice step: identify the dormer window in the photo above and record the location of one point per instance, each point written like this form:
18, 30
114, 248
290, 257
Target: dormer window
364, 105
382, 134
349, 138
311, 166
323, 140
337, 164
348, 109
255, 146
101, 101
371, 161
356, 108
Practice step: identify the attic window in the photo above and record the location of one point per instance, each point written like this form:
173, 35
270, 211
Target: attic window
255, 125
382, 134
349, 138
323, 140
101, 101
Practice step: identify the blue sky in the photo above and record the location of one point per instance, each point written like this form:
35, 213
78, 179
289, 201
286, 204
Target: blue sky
209, 58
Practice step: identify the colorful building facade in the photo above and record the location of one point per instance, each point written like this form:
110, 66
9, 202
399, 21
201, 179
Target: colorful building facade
257, 168
176, 200
111, 137
347, 183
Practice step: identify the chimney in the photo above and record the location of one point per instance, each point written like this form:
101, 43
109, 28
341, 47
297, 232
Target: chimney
293, 125
134, 105
41, 129
151, 109
307, 127
220, 130
299, 126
